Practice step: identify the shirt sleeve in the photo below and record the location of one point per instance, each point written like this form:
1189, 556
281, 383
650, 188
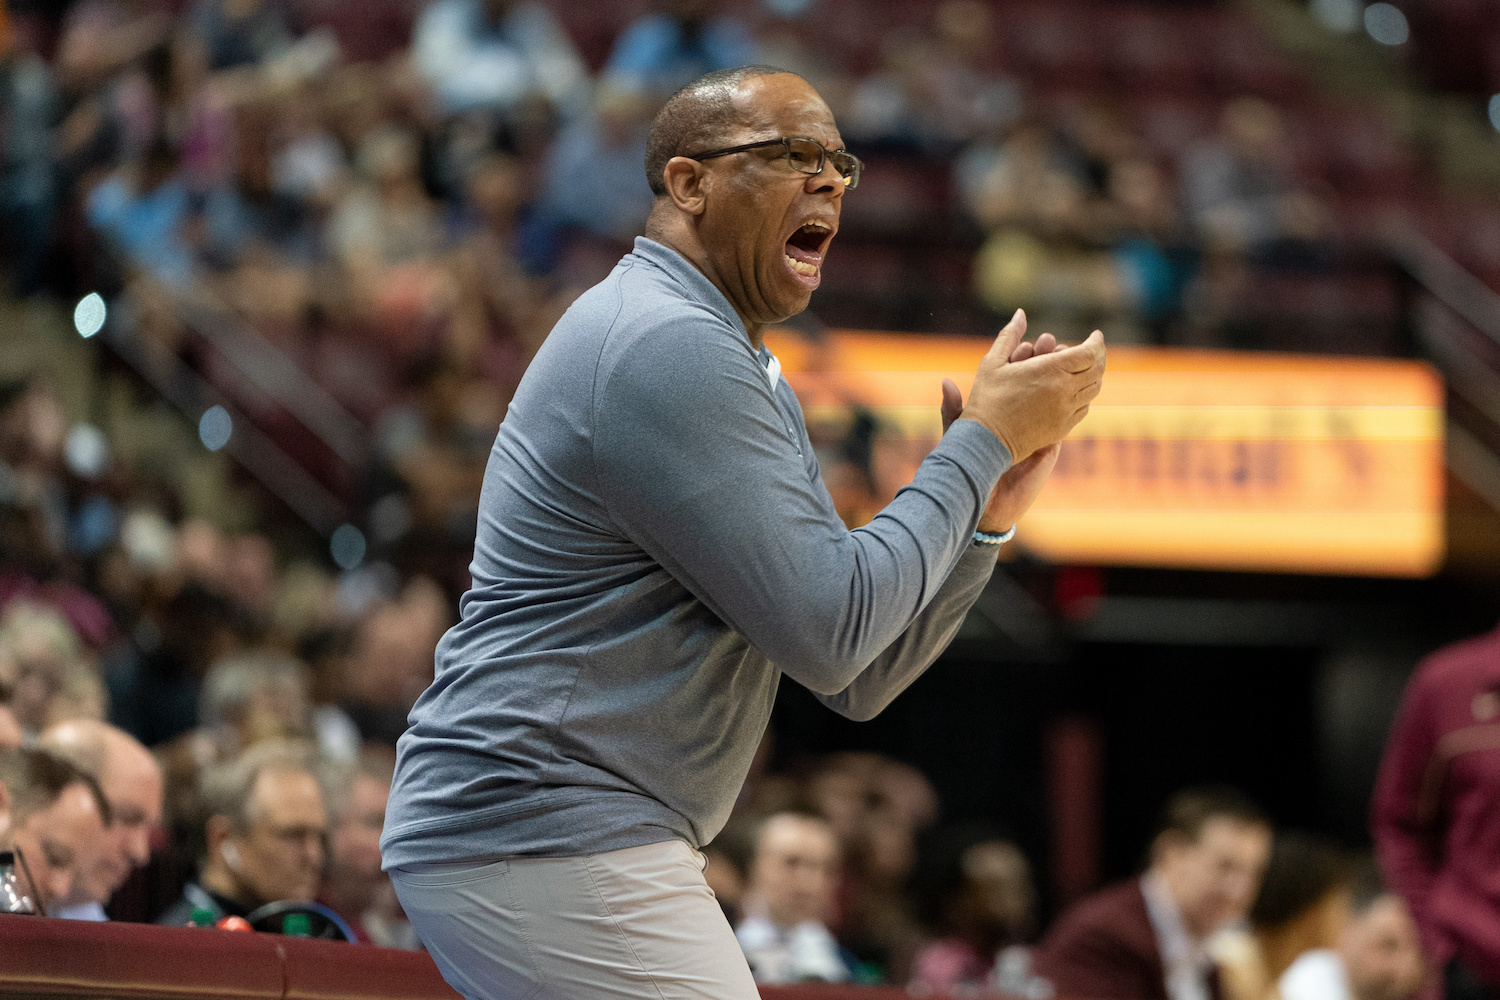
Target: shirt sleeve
924, 640
698, 466
1403, 832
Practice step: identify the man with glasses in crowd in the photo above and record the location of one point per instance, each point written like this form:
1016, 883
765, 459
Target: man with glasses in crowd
52, 816
265, 837
655, 548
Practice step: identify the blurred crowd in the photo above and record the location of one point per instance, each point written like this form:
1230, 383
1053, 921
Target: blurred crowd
397, 204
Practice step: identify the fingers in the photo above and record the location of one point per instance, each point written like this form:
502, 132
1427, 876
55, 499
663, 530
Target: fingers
953, 403
1011, 335
1079, 359
1045, 344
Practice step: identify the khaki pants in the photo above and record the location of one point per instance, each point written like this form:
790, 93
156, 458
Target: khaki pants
634, 923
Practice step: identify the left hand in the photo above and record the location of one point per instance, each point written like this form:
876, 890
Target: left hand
1018, 488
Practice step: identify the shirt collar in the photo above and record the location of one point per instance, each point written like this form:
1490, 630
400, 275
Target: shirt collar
1178, 946
692, 281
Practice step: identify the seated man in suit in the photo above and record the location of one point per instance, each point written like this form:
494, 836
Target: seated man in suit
1145, 939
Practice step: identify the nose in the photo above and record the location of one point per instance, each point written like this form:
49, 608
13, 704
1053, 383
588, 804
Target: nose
138, 846
312, 852
827, 179
58, 883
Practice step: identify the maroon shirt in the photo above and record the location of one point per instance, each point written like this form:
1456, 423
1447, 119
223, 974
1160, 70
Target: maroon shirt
1436, 812
1104, 948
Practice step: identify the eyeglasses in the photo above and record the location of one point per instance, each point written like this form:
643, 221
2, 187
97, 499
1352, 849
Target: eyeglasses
805, 155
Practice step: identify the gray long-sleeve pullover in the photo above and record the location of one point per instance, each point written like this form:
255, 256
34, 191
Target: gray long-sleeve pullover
655, 548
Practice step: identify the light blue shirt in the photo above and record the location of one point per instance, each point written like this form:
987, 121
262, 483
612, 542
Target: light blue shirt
655, 549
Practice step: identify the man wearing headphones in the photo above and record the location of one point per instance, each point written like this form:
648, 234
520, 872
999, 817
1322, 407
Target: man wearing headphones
264, 836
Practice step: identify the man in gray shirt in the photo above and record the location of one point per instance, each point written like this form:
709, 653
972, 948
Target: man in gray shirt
656, 548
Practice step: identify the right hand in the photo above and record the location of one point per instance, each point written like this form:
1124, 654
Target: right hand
1031, 403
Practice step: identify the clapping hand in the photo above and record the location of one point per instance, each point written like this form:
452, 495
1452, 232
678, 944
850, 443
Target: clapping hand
1018, 488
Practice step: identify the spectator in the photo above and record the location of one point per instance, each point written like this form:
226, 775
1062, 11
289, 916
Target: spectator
1146, 939
593, 176
240, 32
392, 659
493, 55
877, 808
252, 697
28, 179
248, 212
52, 815
1239, 191
1436, 813
154, 687
793, 873
679, 43
1379, 956
144, 209
1302, 906
131, 781
387, 233
498, 319
982, 908
354, 885
51, 678
246, 699
265, 832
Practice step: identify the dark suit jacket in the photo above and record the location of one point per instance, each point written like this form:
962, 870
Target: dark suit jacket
1104, 948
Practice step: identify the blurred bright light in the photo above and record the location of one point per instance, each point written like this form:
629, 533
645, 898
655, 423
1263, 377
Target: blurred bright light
347, 546
214, 428
86, 451
89, 314
1495, 112
1342, 16
1386, 24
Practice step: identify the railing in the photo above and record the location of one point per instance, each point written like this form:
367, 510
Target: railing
1456, 321
56, 959
261, 456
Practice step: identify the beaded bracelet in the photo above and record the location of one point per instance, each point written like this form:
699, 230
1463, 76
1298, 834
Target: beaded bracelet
985, 538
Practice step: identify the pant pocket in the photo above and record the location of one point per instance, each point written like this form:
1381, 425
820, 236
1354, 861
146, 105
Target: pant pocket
455, 874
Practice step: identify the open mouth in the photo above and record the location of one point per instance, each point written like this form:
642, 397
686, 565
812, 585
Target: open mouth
805, 249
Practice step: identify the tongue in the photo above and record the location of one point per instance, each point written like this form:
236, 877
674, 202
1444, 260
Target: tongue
805, 256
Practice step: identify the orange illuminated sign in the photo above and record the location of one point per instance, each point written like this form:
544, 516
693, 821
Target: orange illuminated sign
1201, 459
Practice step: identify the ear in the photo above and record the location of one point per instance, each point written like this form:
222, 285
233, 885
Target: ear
684, 179
4, 809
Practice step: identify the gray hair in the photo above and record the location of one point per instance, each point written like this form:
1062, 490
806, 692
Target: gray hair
234, 680
228, 788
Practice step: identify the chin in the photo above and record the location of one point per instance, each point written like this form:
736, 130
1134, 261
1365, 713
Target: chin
790, 307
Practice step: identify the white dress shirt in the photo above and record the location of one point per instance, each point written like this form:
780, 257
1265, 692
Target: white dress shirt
1184, 958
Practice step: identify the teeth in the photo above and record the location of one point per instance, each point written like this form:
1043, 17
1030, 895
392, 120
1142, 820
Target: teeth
801, 266
818, 224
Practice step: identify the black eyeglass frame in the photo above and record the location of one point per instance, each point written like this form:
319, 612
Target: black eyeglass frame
36, 899
851, 179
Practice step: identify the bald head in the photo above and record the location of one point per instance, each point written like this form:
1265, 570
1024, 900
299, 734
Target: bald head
698, 117
753, 221
132, 784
